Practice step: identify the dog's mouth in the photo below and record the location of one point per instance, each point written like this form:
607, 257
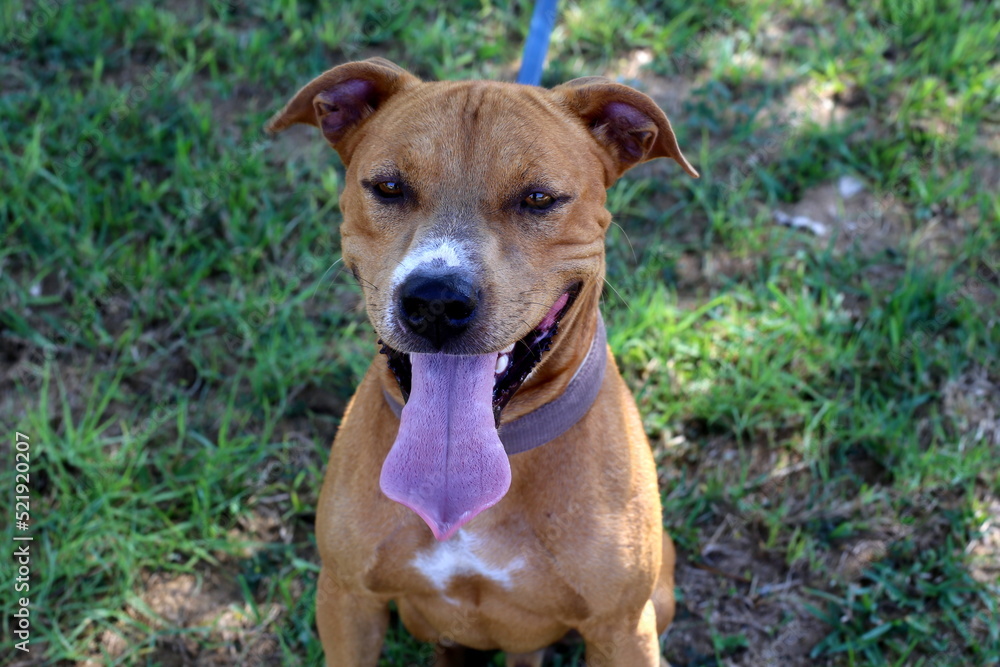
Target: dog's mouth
513, 364
448, 463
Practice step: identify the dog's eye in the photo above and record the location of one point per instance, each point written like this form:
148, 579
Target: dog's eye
389, 189
539, 201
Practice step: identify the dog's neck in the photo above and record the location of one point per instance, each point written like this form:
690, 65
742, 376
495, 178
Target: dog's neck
553, 374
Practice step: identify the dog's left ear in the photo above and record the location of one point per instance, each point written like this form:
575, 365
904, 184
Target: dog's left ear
625, 123
341, 100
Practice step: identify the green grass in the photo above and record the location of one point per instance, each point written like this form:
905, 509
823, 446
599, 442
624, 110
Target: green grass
179, 342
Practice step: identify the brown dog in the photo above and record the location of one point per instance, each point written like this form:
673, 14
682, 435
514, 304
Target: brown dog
474, 219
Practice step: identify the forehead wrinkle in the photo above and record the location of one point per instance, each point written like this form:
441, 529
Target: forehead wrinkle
386, 168
432, 105
496, 136
400, 115
509, 143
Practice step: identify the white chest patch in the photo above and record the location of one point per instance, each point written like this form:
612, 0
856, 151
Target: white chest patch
460, 555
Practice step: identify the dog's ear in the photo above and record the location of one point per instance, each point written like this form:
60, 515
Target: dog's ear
625, 123
340, 100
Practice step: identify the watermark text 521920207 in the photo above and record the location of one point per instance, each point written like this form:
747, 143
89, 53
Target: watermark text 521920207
21, 620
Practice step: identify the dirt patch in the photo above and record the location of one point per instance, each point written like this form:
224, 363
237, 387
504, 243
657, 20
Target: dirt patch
712, 268
299, 142
846, 210
743, 598
806, 103
669, 92
186, 599
200, 619
972, 402
737, 596
984, 550
741, 595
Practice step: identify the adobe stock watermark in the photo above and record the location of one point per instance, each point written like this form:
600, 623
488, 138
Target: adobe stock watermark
332, 594
903, 9
25, 29
240, 334
222, 175
329, 588
161, 413
760, 498
774, 654
778, 134
107, 472
874, 218
918, 338
459, 627
227, 5
91, 138
21, 465
722, 24
353, 44
111, 298
953, 656
718, 25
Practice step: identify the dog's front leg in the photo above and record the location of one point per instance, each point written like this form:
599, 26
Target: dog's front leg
351, 626
619, 645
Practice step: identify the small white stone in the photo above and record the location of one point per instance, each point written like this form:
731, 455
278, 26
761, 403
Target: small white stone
849, 186
801, 222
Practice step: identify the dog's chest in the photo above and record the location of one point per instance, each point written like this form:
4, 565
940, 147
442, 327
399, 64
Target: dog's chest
468, 556
477, 589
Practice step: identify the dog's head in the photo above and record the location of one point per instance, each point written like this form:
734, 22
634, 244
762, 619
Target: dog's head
474, 219
474, 211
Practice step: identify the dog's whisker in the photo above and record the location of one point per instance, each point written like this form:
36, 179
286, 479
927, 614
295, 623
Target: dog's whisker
627, 304
330, 268
635, 260
344, 271
367, 282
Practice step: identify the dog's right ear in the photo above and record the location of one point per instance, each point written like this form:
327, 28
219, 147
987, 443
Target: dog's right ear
626, 123
340, 100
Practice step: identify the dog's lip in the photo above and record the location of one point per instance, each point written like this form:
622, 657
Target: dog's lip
522, 355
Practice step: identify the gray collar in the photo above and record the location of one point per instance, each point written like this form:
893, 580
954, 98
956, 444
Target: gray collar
557, 416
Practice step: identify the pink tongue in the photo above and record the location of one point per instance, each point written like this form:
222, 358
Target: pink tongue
448, 463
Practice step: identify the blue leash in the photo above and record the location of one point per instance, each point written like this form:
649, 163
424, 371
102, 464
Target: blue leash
543, 20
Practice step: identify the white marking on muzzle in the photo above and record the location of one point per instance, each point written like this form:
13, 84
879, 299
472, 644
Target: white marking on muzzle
437, 253
434, 253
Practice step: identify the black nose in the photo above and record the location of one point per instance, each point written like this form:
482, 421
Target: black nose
438, 308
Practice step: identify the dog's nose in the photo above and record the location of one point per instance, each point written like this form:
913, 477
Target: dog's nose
438, 308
